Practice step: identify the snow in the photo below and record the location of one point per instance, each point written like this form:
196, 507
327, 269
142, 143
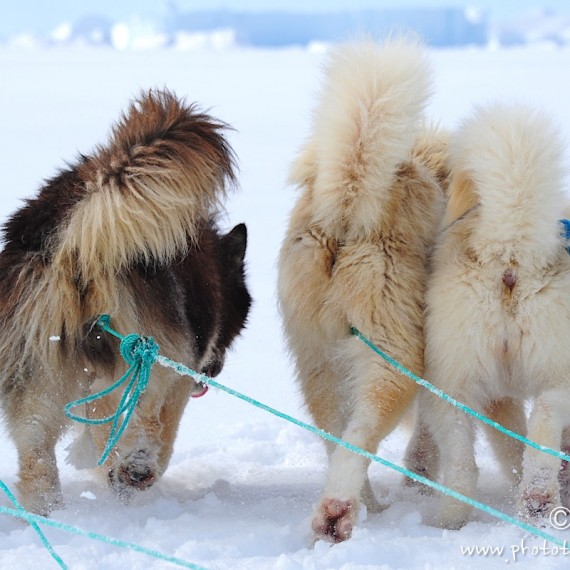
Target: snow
242, 484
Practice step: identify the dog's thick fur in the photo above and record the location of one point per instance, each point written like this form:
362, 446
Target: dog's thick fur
498, 309
355, 253
129, 231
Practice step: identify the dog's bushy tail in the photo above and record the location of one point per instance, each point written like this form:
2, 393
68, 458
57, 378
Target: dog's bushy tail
141, 199
512, 156
166, 167
365, 125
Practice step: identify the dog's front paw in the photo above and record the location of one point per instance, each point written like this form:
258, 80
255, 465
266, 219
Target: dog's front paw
136, 472
334, 519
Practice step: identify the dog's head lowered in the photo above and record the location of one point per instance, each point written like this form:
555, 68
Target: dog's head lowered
235, 300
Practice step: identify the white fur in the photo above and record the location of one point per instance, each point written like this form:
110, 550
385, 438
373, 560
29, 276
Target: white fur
514, 155
370, 110
488, 346
355, 253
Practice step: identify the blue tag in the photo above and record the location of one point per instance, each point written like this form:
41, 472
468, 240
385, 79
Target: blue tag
566, 232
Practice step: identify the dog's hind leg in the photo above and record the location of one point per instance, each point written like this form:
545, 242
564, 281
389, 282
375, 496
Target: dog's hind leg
540, 487
422, 453
321, 390
378, 402
327, 406
454, 433
35, 424
510, 414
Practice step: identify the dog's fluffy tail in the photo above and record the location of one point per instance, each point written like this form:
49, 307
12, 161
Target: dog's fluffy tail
370, 111
141, 199
165, 168
512, 155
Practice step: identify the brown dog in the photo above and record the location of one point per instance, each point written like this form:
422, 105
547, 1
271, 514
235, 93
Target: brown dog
355, 254
129, 231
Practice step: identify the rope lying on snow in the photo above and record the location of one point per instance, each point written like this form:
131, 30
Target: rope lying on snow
20, 512
142, 352
36, 520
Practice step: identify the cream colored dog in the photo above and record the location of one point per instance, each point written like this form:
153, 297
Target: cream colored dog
498, 309
355, 253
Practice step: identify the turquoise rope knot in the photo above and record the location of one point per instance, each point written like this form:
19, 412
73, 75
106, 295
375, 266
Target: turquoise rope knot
135, 348
140, 353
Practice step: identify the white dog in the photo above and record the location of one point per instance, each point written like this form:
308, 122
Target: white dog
356, 253
498, 309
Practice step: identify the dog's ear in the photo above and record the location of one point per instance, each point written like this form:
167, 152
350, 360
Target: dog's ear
235, 244
462, 197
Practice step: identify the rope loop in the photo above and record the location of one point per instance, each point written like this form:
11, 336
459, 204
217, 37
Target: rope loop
140, 353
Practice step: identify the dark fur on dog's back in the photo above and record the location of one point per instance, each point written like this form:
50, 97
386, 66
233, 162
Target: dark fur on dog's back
131, 231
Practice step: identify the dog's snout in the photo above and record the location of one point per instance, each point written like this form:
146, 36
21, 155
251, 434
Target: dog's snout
135, 473
213, 368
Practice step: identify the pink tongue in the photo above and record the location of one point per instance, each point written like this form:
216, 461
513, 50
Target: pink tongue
201, 392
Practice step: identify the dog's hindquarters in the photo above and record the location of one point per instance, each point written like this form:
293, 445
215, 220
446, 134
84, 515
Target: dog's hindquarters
355, 254
499, 270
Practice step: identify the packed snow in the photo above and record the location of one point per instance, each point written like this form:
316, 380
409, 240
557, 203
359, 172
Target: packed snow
242, 484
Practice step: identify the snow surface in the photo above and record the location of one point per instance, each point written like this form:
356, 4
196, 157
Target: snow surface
242, 484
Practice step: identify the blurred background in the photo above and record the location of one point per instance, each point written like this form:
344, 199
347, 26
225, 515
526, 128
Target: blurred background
190, 24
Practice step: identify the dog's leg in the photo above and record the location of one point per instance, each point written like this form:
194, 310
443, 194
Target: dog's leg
510, 414
540, 488
134, 463
36, 425
455, 435
328, 407
422, 453
170, 415
323, 400
378, 403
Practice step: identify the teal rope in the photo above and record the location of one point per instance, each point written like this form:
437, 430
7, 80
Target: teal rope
140, 354
441, 394
22, 513
34, 520
184, 370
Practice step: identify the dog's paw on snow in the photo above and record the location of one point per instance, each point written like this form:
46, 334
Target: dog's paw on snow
136, 472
